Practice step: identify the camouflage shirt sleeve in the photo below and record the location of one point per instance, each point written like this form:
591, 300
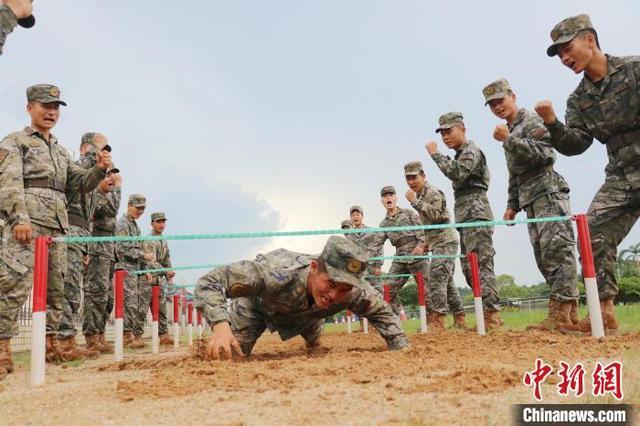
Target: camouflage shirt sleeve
571, 138
240, 279
149, 246
414, 219
83, 180
460, 168
12, 200
431, 207
368, 303
128, 250
8, 22
513, 200
377, 248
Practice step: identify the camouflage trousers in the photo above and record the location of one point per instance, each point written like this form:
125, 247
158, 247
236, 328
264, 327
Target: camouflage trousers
480, 241
98, 288
554, 245
137, 299
248, 323
396, 284
443, 292
612, 213
72, 283
16, 279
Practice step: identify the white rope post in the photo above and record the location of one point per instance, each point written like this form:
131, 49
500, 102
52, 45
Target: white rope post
589, 274
118, 353
176, 321
155, 305
472, 258
365, 325
39, 323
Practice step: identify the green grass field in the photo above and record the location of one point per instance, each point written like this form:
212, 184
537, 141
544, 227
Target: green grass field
628, 316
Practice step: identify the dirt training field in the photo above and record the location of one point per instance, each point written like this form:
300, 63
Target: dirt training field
453, 377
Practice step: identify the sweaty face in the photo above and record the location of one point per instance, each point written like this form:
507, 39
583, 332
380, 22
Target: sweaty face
158, 226
389, 201
43, 116
323, 290
577, 54
356, 218
453, 137
416, 182
504, 108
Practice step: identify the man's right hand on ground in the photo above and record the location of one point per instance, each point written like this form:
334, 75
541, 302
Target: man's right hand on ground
222, 344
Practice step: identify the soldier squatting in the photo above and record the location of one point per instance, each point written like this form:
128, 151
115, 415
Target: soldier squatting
43, 192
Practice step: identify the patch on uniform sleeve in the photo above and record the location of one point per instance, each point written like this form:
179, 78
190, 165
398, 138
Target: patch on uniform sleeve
123, 233
539, 133
240, 290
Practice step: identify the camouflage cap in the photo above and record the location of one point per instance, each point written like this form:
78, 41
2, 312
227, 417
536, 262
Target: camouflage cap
387, 190
90, 138
28, 21
566, 31
137, 200
356, 208
449, 120
44, 93
496, 90
345, 261
413, 168
158, 216
113, 171
345, 224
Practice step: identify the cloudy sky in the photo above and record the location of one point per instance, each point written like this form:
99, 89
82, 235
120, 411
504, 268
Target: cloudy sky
279, 115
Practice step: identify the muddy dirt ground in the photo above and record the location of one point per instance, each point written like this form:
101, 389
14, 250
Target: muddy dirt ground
454, 377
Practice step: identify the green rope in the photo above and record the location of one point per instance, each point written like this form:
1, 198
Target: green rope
368, 277
427, 256
306, 233
175, 268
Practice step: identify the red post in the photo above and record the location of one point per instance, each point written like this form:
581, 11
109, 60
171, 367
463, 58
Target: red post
420, 284
176, 308
118, 277
588, 268
199, 316
387, 293
472, 258
190, 313
155, 302
40, 274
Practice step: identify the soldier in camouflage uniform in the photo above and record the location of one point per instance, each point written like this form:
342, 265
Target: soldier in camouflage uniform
12, 13
291, 293
431, 205
345, 224
161, 259
536, 188
98, 277
469, 175
131, 257
604, 106
35, 172
80, 210
407, 243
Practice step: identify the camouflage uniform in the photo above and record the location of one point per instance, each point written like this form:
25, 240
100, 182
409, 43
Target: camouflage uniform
431, 204
469, 175
535, 187
404, 242
98, 278
8, 22
137, 291
160, 249
271, 292
34, 175
80, 210
610, 112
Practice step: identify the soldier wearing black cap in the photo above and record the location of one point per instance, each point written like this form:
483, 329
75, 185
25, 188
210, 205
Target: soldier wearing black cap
605, 106
407, 243
12, 13
290, 293
35, 173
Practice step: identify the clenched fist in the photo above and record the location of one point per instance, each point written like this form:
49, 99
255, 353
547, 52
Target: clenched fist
432, 147
545, 110
501, 133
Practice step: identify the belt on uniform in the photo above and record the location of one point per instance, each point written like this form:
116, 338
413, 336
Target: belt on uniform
47, 183
79, 221
623, 139
468, 191
525, 176
405, 241
101, 232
